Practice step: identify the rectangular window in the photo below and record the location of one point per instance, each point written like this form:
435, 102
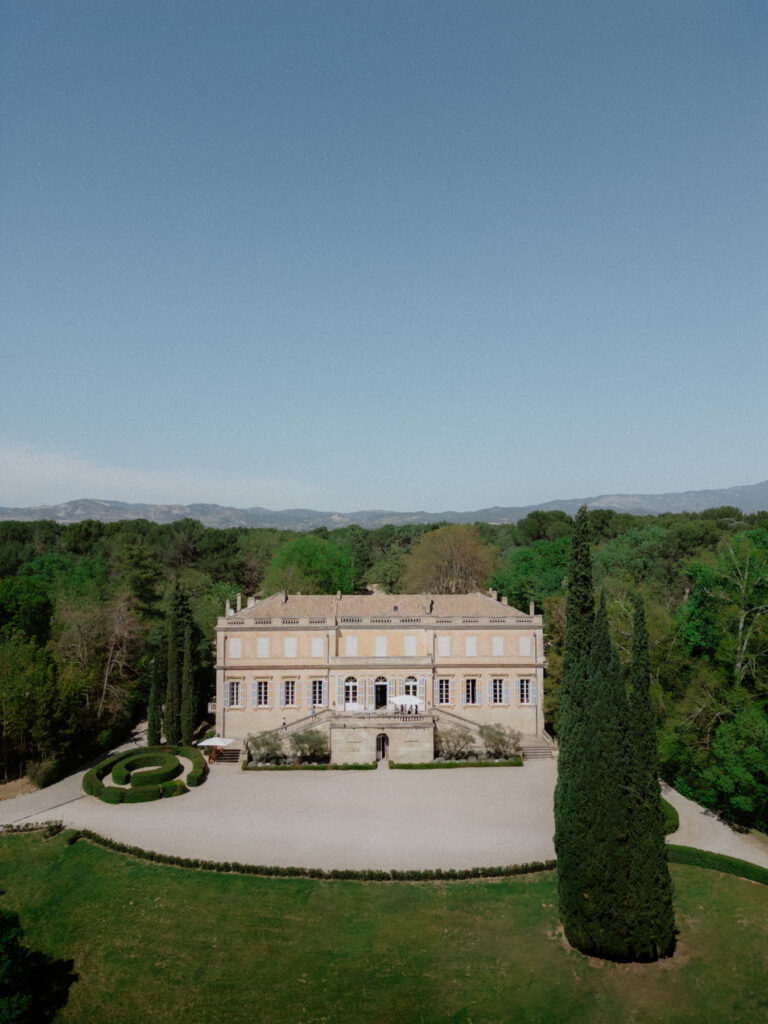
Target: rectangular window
497, 691
235, 647
317, 691
444, 646
381, 647
497, 646
262, 647
317, 647
470, 691
289, 646
350, 693
351, 647
409, 646
233, 693
470, 646
525, 646
410, 687
525, 691
262, 693
443, 691
289, 692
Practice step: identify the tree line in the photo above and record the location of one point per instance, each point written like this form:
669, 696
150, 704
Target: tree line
95, 616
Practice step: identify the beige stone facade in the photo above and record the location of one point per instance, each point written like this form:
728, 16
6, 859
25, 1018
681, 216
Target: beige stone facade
299, 661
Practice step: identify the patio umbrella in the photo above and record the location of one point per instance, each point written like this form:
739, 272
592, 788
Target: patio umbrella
406, 700
215, 741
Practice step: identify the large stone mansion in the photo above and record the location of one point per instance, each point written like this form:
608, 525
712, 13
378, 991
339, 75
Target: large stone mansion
295, 661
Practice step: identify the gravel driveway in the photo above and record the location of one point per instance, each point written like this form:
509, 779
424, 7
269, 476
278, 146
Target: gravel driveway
459, 818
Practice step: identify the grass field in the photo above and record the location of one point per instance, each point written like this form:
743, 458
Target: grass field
156, 943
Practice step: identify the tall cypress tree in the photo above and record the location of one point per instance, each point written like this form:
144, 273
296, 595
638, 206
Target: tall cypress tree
653, 911
172, 713
601, 924
572, 794
188, 697
154, 706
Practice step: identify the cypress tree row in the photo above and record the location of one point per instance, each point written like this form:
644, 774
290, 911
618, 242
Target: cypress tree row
188, 701
172, 711
653, 912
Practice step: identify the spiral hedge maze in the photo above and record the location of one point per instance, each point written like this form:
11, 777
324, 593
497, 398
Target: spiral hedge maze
149, 773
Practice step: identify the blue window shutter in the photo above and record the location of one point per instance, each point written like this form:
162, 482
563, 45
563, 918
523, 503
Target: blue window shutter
423, 691
463, 691
340, 683
226, 695
479, 692
452, 691
533, 694
297, 692
253, 694
435, 686
506, 692
282, 695
517, 691
390, 688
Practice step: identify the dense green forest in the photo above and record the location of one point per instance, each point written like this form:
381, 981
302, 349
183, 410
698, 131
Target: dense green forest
87, 611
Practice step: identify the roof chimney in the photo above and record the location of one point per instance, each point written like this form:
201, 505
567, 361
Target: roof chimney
531, 610
495, 595
251, 602
505, 600
228, 608
239, 602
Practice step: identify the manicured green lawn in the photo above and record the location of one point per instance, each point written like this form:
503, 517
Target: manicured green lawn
155, 943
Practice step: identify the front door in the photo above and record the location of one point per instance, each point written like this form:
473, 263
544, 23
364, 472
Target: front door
380, 696
382, 747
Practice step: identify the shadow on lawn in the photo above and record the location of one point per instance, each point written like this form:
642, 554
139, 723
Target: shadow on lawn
33, 985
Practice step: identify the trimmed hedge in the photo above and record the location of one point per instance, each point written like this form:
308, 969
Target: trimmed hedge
671, 817
276, 871
513, 762
146, 785
364, 767
716, 862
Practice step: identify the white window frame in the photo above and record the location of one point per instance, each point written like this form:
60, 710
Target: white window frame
443, 691
470, 646
409, 646
526, 690
497, 646
524, 646
234, 693
262, 647
235, 647
317, 647
262, 693
289, 693
380, 647
317, 689
470, 688
351, 690
497, 691
411, 687
444, 646
290, 646
350, 646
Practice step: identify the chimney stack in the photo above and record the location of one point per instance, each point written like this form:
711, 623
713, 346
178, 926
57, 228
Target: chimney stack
531, 609
239, 602
505, 600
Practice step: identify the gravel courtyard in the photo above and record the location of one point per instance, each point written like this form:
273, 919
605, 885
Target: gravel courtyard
459, 818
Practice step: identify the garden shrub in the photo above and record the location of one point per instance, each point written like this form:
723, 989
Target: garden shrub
146, 785
455, 744
266, 747
310, 745
671, 818
142, 794
499, 741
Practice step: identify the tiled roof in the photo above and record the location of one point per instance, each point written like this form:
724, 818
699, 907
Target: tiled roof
326, 606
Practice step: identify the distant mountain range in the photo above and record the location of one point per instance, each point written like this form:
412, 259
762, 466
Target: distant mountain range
750, 498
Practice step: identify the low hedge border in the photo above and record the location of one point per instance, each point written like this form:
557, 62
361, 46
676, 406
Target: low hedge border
364, 767
686, 855
275, 871
716, 862
146, 788
514, 762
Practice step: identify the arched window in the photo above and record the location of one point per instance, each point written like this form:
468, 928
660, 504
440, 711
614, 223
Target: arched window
350, 690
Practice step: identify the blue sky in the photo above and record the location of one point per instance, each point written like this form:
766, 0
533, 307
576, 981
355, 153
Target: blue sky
405, 255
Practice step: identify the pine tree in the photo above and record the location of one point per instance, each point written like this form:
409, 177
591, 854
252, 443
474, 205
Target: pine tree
572, 795
188, 696
653, 912
154, 707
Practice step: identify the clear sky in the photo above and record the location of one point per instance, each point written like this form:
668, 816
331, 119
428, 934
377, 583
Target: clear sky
382, 253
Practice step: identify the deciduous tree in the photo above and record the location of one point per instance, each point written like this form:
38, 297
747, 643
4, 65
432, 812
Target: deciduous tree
449, 560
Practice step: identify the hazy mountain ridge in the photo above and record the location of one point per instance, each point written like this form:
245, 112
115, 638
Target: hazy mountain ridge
749, 498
